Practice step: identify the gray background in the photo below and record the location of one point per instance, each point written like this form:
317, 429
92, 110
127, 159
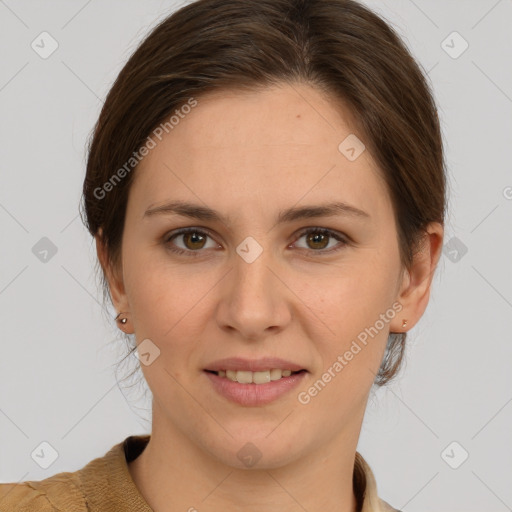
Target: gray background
59, 350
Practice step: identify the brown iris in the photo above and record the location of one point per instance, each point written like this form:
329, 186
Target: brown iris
318, 238
195, 238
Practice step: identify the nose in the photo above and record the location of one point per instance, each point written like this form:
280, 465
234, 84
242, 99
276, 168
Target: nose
254, 300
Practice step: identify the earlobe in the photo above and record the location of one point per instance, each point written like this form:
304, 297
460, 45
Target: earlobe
416, 284
123, 323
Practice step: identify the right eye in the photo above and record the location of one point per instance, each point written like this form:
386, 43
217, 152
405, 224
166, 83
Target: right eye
193, 240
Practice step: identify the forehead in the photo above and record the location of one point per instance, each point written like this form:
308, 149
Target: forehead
272, 146
280, 115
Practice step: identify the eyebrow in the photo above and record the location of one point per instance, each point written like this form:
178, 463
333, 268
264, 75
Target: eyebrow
195, 211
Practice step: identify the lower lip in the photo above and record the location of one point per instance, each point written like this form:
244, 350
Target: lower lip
254, 394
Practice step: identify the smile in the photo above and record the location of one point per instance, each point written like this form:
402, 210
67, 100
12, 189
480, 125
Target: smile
251, 389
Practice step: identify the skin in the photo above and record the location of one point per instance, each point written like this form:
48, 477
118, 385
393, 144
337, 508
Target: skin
249, 155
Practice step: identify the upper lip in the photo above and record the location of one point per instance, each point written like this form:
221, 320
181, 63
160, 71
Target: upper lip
253, 365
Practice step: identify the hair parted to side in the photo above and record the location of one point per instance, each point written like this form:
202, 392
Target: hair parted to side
338, 46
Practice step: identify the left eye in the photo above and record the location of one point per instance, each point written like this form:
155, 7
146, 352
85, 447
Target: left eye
318, 237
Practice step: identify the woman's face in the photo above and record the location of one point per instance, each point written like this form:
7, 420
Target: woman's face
260, 283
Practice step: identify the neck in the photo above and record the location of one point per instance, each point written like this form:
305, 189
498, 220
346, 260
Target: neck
173, 473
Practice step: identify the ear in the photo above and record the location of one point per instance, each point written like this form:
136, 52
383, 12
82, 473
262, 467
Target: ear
113, 276
414, 291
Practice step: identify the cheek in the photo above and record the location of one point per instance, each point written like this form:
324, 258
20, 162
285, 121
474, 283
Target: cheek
355, 296
351, 354
357, 308
168, 305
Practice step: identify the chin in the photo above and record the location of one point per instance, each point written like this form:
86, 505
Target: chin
258, 450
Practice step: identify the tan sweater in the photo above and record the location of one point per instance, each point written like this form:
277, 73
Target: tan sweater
105, 485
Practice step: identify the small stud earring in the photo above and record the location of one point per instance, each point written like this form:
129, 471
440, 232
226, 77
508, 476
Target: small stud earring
404, 323
121, 320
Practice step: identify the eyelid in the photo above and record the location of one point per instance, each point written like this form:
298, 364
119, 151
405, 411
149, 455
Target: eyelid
320, 229
191, 229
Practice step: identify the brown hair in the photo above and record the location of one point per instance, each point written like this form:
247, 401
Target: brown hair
338, 46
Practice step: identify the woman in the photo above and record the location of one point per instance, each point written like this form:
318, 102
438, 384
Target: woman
266, 188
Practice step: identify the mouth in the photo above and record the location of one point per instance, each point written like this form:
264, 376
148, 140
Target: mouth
259, 377
254, 383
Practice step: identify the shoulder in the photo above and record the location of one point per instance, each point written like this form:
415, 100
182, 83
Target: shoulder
103, 483
54, 494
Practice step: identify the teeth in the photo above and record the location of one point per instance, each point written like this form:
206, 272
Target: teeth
260, 377
244, 377
247, 377
275, 374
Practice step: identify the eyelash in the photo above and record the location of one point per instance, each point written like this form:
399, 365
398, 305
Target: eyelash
317, 230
